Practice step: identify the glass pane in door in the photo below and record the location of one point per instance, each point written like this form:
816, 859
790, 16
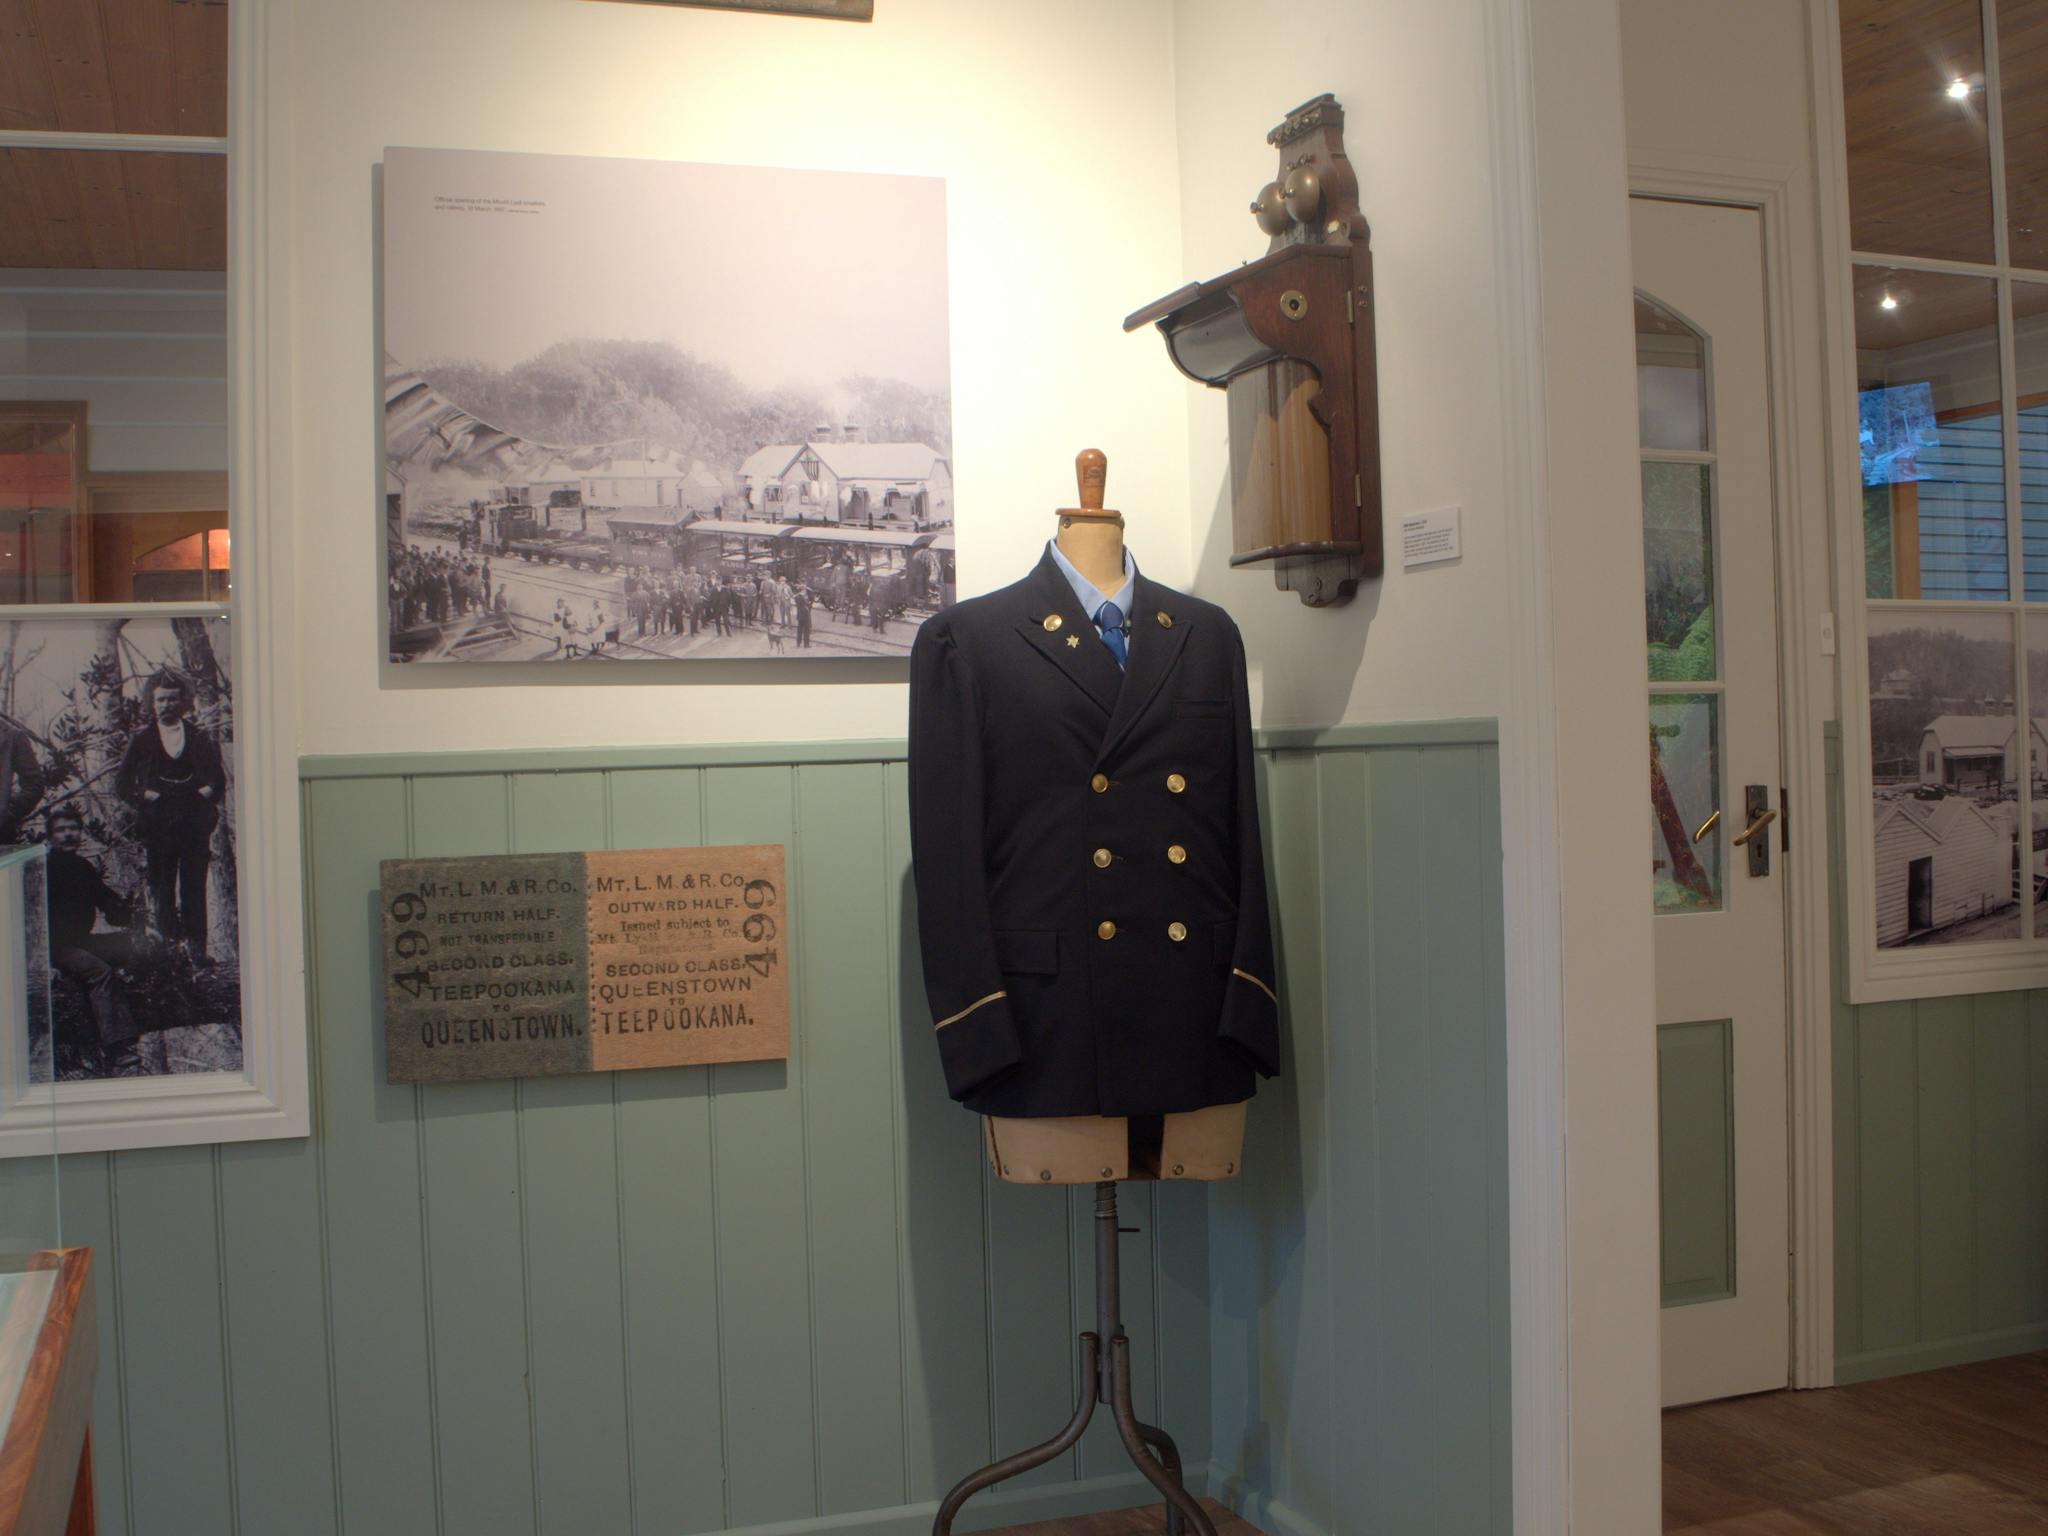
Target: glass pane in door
1671, 379
1685, 780
1678, 571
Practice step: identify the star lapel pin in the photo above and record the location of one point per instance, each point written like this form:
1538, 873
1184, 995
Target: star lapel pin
1073, 642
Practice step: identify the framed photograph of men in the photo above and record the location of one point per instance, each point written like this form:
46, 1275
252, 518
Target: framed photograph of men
647, 410
117, 752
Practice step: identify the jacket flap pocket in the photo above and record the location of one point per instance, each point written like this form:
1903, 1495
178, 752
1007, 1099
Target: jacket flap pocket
1223, 941
1203, 709
1028, 951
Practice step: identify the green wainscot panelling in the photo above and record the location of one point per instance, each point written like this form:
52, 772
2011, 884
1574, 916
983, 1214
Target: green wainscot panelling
1941, 1168
1358, 1271
787, 1294
1696, 1159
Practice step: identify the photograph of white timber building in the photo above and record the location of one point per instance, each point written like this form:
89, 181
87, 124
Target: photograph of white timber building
1941, 864
1977, 751
839, 477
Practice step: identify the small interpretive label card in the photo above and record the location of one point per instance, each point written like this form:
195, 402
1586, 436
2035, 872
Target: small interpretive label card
1428, 538
525, 965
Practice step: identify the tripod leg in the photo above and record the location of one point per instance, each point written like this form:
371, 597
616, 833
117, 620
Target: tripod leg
1178, 1500
1037, 1456
1169, 1460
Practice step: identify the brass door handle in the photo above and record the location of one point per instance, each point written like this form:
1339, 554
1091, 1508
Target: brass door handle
1763, 819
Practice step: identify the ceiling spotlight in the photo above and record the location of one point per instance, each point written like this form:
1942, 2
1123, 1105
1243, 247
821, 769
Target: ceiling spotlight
1887, 302
1958, 88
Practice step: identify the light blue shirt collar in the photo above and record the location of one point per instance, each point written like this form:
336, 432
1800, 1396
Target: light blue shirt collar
1090, 596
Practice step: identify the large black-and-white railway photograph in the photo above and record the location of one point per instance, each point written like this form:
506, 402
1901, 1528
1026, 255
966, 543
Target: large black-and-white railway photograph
612, 434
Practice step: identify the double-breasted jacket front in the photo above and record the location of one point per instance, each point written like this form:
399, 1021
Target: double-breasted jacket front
1091, 891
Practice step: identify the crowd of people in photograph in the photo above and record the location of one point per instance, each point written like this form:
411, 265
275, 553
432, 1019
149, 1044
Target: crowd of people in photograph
691, 602
432, 586
708, 593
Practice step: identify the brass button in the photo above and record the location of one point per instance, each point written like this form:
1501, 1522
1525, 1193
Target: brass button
1165, 619
1052, 622
1176, 931
1099, 783
1175, 783
1105, 929
1176, 854
1102, 857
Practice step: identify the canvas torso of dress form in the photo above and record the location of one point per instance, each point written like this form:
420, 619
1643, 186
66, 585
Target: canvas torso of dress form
1091, 891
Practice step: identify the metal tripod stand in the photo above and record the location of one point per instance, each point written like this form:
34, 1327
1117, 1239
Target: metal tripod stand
1108, 1379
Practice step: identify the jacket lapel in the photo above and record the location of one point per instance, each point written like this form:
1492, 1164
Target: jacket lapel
1086, 663
1155, 648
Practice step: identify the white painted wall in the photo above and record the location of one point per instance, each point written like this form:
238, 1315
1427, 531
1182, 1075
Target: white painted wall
1053, 126
146, 351
1418, 645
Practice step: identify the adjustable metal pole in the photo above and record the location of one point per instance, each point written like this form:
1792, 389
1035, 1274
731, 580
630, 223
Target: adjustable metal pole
1106, 1370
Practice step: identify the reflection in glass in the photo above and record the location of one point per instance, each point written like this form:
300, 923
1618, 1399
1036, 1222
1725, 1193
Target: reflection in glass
1919, 148
1931, 440
2030, 361
39, 478
1946, 754
1685, 778
126, 210
2023, 92
1678, 571
1671, 380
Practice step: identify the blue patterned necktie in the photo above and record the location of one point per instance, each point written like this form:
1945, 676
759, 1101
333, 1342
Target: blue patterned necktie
1110, 619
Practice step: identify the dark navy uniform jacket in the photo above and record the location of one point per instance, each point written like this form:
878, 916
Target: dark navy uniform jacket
1091, 892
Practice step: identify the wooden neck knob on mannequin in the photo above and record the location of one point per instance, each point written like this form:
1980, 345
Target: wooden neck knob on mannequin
1091, 475
1090, 535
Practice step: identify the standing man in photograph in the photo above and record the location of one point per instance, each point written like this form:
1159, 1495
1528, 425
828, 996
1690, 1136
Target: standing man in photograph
174, 779
805, 601
21, 780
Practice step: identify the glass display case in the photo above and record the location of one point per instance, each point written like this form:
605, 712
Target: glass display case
30, 1211
47, 1336
31, 1218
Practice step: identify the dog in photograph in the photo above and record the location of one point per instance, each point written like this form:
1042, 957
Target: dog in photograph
776, 645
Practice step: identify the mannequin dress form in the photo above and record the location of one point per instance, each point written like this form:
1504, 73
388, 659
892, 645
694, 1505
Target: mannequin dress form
1087, 1149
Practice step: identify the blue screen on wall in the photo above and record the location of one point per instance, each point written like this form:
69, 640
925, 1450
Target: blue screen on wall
1892, 426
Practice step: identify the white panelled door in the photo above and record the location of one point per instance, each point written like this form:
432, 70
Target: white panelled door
1717, 885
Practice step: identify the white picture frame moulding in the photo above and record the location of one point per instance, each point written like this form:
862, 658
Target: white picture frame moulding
270, 1097
1874, 974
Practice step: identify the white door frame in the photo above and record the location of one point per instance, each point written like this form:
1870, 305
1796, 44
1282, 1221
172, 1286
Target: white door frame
1799, 487
1556, 144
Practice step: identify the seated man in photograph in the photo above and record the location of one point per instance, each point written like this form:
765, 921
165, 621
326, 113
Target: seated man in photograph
78, 895
174, 778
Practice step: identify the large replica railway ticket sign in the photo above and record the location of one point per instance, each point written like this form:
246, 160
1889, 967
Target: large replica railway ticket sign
525, 965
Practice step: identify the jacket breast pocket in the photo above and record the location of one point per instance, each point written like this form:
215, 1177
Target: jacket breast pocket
1028, 951
1203, 709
